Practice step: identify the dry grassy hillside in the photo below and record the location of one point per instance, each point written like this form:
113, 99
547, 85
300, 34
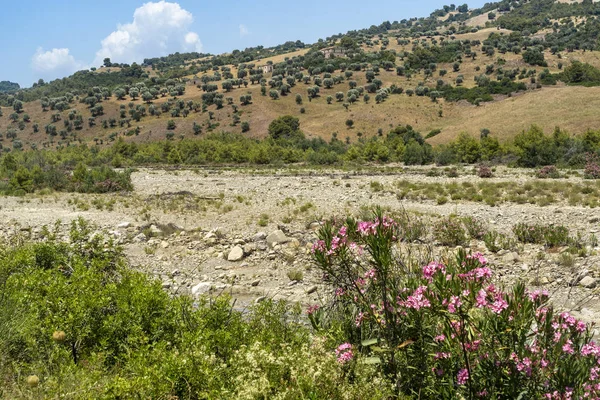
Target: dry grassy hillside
572, 108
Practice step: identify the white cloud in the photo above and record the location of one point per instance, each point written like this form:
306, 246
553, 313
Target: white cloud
54, 63
158, 28
244, 30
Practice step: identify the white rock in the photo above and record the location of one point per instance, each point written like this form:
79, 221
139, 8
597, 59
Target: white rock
588, 282
124, 225
201, 288
236, 254
277, 237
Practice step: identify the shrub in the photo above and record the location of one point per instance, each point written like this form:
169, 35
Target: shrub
475, 227
442, 329
449, 232
484, 172
550, 236
592, 169
63, 342
549, 171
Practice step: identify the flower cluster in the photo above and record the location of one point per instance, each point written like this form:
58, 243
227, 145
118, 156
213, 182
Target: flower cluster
344, 353
464, 333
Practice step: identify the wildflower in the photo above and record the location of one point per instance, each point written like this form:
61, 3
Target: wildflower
454, 303
430, 269
590, 349
359, 319
339, 292
319, 245
480, 299
568, 347
462, 377
370, 274
417, 299
439, 338
344, 353
312, 309
498, 306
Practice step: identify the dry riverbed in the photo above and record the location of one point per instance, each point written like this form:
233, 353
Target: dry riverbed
248, 232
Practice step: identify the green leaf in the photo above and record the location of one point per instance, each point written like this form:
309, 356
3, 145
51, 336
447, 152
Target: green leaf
369, 342
372, 360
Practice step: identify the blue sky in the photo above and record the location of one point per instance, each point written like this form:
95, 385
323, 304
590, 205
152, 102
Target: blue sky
52, 39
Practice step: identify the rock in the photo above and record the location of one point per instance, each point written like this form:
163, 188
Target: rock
154, 229
166, 285
259, 299
588, 282
259, 236
255, 283
236, 254
510, 258
312, 289
201, 288
277, 237
164, 244
124, 225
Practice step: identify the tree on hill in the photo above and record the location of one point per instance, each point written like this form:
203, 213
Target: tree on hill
463, 8
285, 127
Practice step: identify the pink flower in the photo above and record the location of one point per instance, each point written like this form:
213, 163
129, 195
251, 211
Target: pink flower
590, 349
319, 245
439, 338
479, 257
454, 303
370, 274
342, 231
480, 299
312, 309
568, 347
417, 299
344, 353
462, 377
339, 292
430, 269
498, 306
359, 319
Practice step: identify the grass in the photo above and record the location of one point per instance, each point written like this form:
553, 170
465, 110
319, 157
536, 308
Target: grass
538, 192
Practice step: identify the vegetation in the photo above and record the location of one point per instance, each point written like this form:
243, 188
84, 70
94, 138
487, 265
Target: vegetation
76, 321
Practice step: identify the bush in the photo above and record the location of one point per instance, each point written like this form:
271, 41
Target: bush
89, 326
449, 232
550, 236
449, 332
549, 171
475, 227
484, 172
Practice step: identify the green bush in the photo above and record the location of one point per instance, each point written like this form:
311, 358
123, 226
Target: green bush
76, 316
449, 231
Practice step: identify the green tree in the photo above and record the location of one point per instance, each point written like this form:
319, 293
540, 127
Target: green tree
285, 127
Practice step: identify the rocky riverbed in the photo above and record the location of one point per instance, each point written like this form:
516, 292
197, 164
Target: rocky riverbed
249, 232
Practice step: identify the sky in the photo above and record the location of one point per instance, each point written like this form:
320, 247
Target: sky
52, 39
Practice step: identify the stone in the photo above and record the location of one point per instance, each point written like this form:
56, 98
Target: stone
124, 225
236, 254
255, 283
510, 258
259, 236
164, 244
312, 289
260, 299
277, 237
201, 288
588, 282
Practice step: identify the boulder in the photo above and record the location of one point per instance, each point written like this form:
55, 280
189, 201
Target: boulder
201, 288
277, 237
236, 254
588, 282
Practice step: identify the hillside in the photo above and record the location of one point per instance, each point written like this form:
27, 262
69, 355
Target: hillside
455, 71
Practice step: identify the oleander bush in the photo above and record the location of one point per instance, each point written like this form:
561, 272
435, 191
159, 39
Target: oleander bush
442, 329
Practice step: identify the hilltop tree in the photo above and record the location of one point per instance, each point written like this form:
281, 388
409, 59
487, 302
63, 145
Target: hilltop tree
298, 99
